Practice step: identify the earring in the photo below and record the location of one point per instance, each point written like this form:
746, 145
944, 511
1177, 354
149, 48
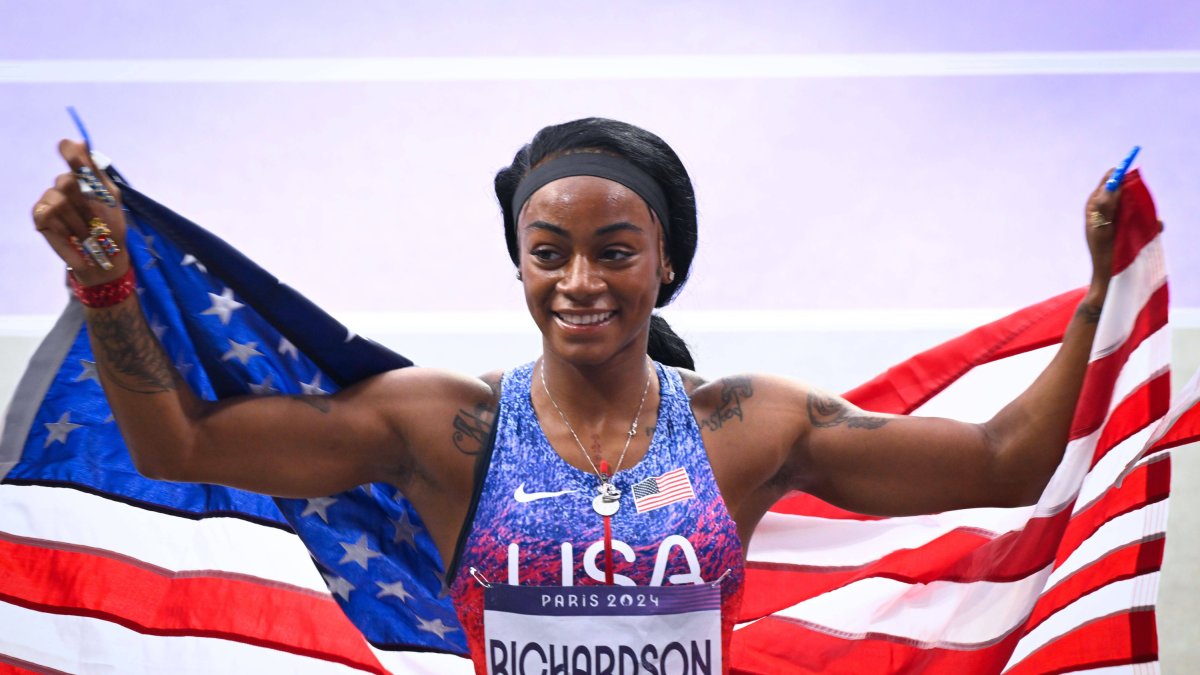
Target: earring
519, 275
671, 276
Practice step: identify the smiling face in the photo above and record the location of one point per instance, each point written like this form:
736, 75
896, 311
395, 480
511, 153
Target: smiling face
592, 261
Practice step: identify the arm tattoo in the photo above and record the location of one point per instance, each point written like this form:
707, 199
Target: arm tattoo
471, 429
733, 391
133, 359
827, 411
1089, 313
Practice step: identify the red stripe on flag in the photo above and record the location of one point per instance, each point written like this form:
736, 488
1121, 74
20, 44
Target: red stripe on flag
1150, 401
906, 386
962, 555
1120, 639
1147, 484
1101, 377
154, 602
1137, 222
1125, 562
775, 645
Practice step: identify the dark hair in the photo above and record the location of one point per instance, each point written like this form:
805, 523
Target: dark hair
652, 155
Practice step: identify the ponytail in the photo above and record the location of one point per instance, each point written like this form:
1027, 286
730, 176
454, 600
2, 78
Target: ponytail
666, 347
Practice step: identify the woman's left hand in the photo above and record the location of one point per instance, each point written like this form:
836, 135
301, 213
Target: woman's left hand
1100, 226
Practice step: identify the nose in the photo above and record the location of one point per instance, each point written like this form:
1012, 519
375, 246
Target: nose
581, 279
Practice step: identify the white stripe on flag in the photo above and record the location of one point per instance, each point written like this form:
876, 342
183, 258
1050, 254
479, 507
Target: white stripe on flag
1127, 295
77, 644
178, 544
1139, 591
1121, 531
938, 614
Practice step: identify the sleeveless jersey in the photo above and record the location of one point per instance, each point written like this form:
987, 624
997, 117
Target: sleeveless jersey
532, 523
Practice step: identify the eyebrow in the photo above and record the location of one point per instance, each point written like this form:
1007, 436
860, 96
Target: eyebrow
606, 230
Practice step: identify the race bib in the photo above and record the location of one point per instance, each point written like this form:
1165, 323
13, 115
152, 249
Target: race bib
610, 630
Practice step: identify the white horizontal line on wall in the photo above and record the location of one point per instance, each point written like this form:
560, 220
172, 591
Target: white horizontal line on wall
700, 321
504, 68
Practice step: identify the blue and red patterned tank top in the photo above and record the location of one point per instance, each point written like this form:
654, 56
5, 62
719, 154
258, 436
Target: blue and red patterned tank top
533, 522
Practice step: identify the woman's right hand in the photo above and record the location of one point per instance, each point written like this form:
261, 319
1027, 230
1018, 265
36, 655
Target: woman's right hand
63, 212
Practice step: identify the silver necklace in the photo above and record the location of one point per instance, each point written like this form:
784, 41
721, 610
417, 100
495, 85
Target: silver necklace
608, 501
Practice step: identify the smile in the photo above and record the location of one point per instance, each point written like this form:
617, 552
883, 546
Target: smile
584, 319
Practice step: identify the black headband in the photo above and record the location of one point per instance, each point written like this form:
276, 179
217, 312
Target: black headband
617, 169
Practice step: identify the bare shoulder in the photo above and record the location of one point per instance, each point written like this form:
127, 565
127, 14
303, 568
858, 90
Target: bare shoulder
691, 380
423, 404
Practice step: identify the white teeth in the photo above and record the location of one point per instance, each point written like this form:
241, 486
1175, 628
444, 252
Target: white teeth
584, 319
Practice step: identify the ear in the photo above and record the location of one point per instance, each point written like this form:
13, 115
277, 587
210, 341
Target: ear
667, 273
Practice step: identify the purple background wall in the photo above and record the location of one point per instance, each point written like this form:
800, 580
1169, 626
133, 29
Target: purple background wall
879, 189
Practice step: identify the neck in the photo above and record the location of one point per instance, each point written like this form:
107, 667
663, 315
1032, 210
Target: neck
594, 393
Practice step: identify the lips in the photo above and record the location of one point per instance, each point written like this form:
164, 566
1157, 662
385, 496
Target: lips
584, 320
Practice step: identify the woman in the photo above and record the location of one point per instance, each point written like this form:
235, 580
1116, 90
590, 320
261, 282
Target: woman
600, 220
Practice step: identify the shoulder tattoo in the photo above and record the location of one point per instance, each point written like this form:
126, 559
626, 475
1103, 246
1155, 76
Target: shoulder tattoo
828, 411
733, 391
472, 428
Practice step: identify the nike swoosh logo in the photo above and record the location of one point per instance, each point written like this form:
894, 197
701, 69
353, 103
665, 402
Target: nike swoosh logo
525, 497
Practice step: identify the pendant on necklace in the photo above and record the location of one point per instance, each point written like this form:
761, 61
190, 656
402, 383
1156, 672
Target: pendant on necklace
608, 501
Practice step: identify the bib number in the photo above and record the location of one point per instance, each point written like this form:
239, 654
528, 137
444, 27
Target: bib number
619, 630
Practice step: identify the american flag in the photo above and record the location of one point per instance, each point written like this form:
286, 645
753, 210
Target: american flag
102, 570
658, 491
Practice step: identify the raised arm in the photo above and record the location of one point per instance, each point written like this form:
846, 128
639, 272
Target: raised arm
803, 438
294, 446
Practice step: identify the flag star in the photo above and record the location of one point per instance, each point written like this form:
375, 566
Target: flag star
405, 530
313, 388
157, 328
358, 552
109, 419
89, 371
338, 586
286, 347
350, 335
182, 365
319, 506
264, 387
150, 246
223, 305
190, 259
436, 627
394, 589
59, 430
241, 352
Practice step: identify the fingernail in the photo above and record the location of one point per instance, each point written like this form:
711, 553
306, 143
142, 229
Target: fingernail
91, 185
1118, 174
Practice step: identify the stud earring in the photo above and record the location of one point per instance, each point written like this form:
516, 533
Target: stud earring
671, 276
519, 275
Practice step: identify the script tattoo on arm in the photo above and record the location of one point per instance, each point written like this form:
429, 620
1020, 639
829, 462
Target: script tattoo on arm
132, 357
733, 391
826, 411
1089, 313
472, 428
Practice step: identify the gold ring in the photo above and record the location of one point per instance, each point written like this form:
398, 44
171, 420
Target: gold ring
1097, 220
41, 208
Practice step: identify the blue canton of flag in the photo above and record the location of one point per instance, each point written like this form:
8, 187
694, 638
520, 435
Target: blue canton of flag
232, 329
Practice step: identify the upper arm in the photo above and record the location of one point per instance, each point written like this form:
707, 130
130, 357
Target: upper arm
794, 437
392, 428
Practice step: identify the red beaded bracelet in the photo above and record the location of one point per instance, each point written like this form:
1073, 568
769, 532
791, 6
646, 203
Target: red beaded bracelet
106, 294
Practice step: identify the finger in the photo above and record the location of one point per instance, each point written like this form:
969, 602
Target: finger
78, 157
48, 218
77, 209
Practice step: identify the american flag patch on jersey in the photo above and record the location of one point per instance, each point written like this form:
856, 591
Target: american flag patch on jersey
657, 491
